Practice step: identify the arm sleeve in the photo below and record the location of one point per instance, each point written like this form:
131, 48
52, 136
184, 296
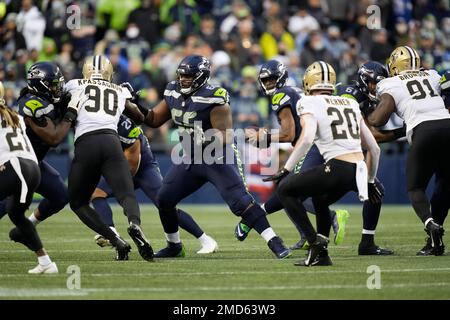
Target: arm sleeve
304, 142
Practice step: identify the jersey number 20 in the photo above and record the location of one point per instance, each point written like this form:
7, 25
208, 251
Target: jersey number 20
107, 96
342, 126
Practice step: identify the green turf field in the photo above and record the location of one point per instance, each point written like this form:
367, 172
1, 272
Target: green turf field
245, 270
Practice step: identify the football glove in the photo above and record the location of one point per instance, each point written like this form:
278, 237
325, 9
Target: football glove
277, 177
375, 194
134, 94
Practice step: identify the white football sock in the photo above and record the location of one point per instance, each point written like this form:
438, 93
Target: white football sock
44, 260
173, 237
268, 234
203, 238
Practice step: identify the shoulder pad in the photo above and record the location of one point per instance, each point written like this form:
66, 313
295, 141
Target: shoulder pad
172, 90
211, 95
444, 82
280, 99
34, 106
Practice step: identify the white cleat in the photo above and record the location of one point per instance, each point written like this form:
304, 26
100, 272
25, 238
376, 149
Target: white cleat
39, 269
209, 246
101, 241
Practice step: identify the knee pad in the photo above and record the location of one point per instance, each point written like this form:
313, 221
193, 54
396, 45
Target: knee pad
240, 203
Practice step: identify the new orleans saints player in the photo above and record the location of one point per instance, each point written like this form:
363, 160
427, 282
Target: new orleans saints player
336, 126
284, 100
98, 152
413, 94
20, 176
197, 109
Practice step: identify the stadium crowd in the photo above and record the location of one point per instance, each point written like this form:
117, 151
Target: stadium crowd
146, 39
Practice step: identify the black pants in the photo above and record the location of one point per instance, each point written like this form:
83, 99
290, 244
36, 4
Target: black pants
12, 189
97, 154
326, 184
429, 154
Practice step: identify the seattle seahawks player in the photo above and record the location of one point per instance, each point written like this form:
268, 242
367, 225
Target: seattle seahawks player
98, 152
413, 94
340, 144
363, 92
44, 108
198, 110
284, 100
147, 177
19, 176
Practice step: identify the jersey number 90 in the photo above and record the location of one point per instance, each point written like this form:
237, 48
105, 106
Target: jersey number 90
97, 96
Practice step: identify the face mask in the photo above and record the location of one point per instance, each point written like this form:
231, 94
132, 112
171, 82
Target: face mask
132, 32
318, 45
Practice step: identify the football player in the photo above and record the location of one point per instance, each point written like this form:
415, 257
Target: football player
197, 108
413, 94
284, 100
98, 153
147, 177
19, 176
44, 108
336, 126
363, 91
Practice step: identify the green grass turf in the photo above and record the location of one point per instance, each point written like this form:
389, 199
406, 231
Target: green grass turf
245, 270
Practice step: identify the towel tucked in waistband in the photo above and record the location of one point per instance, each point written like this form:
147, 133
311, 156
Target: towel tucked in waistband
361, 180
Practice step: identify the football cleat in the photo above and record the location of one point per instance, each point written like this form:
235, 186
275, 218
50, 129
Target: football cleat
339, 223
315, 250
209, 246
373, 250
173, 250
323, 259
302, 244
122, 249
48, 269
101, 241
144, 247
278, 248
436, 232
241, 231
428, 249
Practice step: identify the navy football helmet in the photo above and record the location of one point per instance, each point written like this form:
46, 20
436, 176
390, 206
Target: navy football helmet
273, 75
371, 71
196, 67
45, 79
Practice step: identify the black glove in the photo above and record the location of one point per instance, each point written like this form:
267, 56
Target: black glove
134, 94
375, 194
277, 176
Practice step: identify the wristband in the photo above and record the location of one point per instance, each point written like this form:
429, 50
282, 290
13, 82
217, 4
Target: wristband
400, 132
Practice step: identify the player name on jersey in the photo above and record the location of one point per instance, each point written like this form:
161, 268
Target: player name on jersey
82, 82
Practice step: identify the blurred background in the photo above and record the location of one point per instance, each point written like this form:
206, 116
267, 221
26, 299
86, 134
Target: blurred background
145, 40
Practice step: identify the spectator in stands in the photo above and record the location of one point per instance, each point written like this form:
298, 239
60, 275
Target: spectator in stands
276, 40
182, 12
134, 44
49, 50
314, 50
136, 76
381, 48
31, 23
113, 14
301, 24
146, 18
239, 10
220, 70
83, 38
209, 32
10, 38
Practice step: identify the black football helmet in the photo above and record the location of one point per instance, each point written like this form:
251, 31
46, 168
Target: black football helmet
272, 71
198, 67
45, 79
371, 71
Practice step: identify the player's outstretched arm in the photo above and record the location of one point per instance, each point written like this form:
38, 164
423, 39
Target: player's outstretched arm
133, 112
133, 155
222, 121
369, 143
51, 134
157, 116
382, 136
380, 116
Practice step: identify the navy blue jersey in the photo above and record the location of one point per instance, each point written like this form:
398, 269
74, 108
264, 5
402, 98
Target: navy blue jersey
444, 84
129, 132
36, 107
353, 92
287, 97
191, 113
